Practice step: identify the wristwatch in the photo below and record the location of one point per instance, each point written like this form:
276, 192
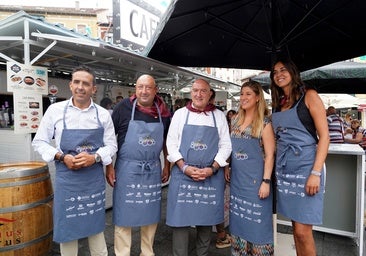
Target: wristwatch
214, 170
97, 158
266, 181
62, 157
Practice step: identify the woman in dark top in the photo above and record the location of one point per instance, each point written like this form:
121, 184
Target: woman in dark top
302, 140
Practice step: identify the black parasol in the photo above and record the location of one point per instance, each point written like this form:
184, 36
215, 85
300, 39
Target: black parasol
250, 34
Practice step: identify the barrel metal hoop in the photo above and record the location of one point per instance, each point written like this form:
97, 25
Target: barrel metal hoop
25, 244
17, 173
24, 182
26, 206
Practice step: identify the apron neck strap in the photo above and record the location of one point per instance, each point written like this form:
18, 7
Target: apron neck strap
134, 108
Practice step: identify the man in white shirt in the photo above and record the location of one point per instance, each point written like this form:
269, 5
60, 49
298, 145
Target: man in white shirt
84, 141
198, 142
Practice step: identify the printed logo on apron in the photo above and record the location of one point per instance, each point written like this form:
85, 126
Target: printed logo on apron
198, 145
79, 195
250, 217
137, 191
196, 202
295, 154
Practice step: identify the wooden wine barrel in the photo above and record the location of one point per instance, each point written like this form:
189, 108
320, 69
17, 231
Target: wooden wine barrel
26, 200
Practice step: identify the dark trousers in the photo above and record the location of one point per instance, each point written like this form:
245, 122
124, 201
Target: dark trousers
181, 240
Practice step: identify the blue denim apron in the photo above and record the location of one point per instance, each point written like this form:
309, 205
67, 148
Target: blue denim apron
250, 217
137, 191
296, 149
79, 195
192, 202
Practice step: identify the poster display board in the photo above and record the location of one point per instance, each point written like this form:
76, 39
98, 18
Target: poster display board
27, 78
27, 111
28, 84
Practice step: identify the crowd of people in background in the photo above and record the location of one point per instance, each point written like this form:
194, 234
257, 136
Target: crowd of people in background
345, 129
108, 103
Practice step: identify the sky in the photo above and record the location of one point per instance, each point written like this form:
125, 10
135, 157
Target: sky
82, 3
63, 3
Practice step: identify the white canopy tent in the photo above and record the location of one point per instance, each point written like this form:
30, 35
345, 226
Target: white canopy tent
340, 101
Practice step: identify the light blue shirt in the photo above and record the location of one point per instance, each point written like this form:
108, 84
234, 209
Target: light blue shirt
51, 126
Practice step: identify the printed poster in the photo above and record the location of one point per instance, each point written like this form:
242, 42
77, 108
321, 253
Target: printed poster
27, 78
27, 111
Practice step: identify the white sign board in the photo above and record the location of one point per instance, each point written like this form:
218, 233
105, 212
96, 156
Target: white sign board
27, 78
27, 111
137, 24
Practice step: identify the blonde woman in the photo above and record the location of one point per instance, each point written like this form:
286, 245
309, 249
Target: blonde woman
252, 159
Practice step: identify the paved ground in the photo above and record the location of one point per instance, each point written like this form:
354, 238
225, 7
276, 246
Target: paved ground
327, 244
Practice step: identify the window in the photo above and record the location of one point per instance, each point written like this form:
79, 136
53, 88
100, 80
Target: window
81, 28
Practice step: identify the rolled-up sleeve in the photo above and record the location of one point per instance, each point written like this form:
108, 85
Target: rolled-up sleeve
173, 137
43, 142
110, 142
224, 140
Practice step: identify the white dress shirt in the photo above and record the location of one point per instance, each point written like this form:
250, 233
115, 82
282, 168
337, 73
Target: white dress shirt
176, 127
51, 126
